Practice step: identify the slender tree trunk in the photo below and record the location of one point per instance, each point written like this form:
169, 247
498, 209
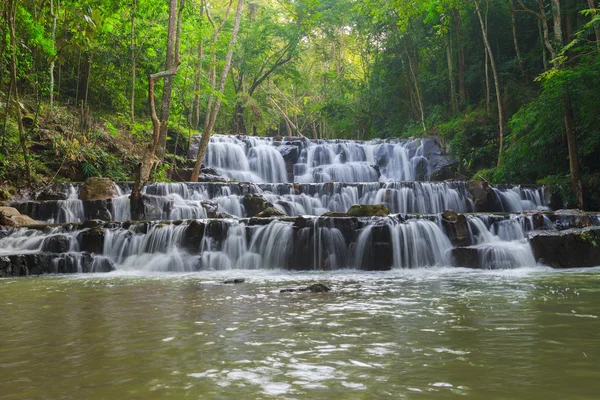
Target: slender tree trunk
462, 91
133, 67
544, 57
8, 94
197, 76
215, 109
545, 30
416, 85
574, 165
496, 83
450, 73
516, 38
173, 28
487, 80
12, 9
150, 158
52, 63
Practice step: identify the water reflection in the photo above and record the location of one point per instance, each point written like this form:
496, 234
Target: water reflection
528, 333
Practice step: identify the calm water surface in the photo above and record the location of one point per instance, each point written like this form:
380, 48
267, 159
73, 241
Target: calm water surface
429, 333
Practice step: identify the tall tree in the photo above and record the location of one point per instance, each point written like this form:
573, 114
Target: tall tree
213, 109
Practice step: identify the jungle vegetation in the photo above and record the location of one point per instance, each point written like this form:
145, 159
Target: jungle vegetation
117, 87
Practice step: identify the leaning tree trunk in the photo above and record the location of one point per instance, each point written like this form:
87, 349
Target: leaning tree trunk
208, 127
496, 82
516, 38
462, 91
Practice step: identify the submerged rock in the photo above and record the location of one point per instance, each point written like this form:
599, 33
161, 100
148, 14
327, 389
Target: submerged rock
98, 189
314, 288
368, 210
234, 281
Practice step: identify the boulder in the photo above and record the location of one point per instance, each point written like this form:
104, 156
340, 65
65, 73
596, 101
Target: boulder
335, 214
571, 248
56, 191
255, 204
465, 257
481, 193
271, 212
12, 218
98, 189
56, 244
456, 227
98, 209
368, 210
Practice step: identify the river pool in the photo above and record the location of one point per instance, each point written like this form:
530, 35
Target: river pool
425, 333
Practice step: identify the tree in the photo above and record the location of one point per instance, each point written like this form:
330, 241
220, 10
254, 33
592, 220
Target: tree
152, 156
213, 109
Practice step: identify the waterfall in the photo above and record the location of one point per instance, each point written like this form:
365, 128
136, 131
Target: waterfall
69, 210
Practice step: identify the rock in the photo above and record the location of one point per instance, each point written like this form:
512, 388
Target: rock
56, 191
481, 193
9, 211
335, 214
212, 178
12, 218
92, 239
234, 281
465, 257
56, 244
98, 209
44, 263
255, 204
98, 189
271, 212
571, 248
314, 288
456, 227
192, 237
368, 210
450, 216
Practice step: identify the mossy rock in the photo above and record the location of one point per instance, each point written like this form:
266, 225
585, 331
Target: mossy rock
368, 210
98, 189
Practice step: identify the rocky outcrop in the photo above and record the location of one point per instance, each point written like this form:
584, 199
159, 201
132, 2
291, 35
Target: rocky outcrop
11, 217
368, 210
56, 191
571, 248
98, 189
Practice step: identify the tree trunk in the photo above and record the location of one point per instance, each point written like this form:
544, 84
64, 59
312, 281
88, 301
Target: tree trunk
462, 91
544, 57
496, 82
132, 101
52, 63
197, 76
418, 92
215, 109
450, 73
168, 86
574, 165
12, 10
516, 38
150, 159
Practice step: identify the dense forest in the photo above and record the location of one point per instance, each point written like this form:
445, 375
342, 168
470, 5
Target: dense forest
94, 87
